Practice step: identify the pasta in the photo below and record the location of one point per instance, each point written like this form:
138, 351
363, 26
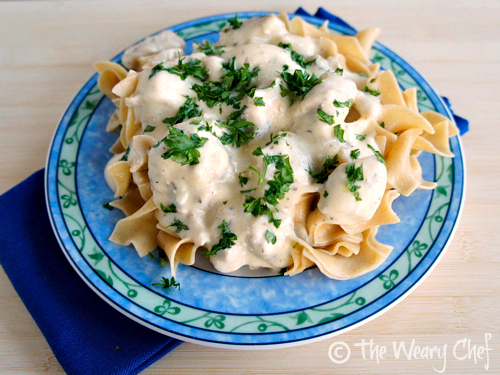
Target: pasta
281, 146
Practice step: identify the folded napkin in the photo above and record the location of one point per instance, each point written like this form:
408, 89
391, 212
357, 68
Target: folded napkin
86, 334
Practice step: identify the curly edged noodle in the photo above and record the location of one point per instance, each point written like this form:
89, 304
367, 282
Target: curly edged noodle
368, 155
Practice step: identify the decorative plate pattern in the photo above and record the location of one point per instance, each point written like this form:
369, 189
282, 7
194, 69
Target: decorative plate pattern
226, 310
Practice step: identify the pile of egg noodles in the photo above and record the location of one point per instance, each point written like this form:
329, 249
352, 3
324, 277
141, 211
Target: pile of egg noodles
281, 146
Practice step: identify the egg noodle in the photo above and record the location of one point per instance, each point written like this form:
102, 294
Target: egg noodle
280, 146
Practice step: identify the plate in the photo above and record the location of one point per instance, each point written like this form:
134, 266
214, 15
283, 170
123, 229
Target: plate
228, 310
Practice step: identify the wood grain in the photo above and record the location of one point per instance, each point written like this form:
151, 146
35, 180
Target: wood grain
46, 55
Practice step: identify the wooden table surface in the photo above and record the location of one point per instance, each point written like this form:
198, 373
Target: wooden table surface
46, 55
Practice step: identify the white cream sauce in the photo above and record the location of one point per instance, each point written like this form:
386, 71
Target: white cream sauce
208, 193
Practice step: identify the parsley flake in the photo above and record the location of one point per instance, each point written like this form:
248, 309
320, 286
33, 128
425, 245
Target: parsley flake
162, 257
328, 167
168, 209
274, 139
259, 101
186, 111
339, 71
183, 70
270, 237
360, 137
230, 89
355, 153
339, 133
346, 104
179, 225
125, 155
299, 83
323, 116
297, 57
325, 194
354, 175
239, 131
226, 241
370, 91
233, 24
209, 49
108, 206
183, 149
379, 156
255, 207
149, 128
168, 283
243, 180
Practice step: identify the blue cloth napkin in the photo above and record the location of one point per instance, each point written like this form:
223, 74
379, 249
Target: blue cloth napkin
86, 334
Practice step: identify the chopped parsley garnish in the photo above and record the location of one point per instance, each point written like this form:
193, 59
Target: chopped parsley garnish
274, 139
255, 207
233, 23
206, 127
183, 149
354, 175
168, 283
108, 206
339, 132
270, 237
186, 111
282, 179
169, 209
243, 180
298, 58
339, 71
325, 117
355, 153
197, 120
328, 167
382, 124
239, 131
373, 80
125, 155
360, 137
325, 194
379, 156
230, 89
370, 91
149, 128
179, 225
299, 83
259, 101
191, 68
226, 241
346, 104
209, 49
162, 257
247, 191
